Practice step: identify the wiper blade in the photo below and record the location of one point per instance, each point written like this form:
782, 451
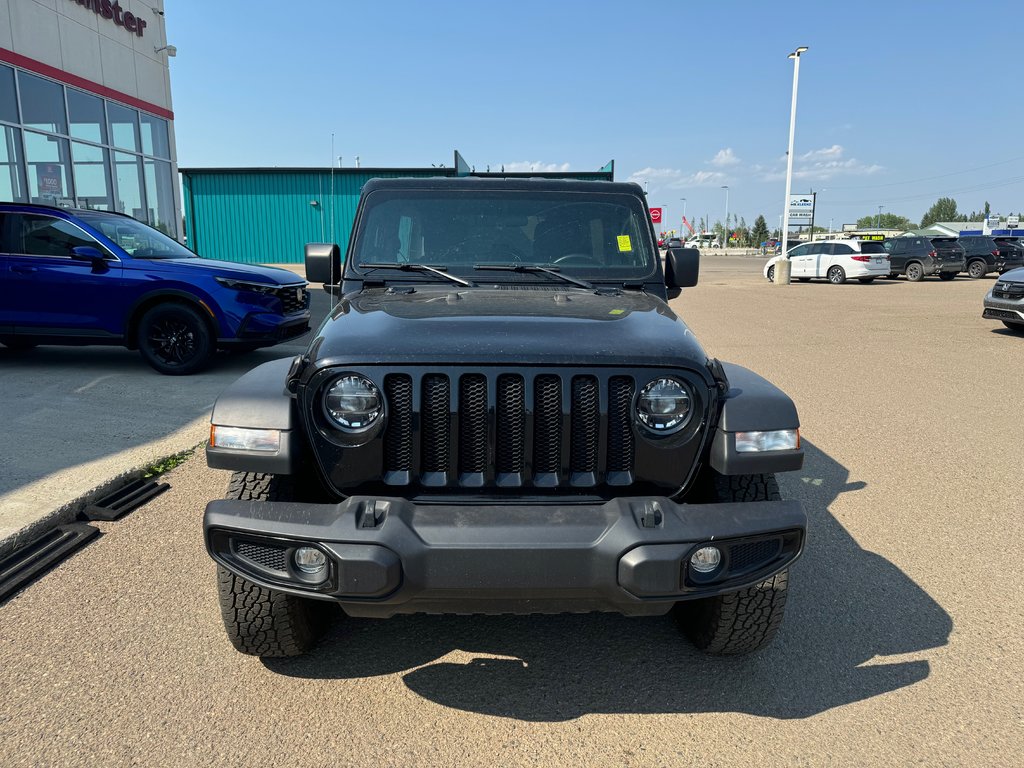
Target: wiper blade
533, 268
409, 267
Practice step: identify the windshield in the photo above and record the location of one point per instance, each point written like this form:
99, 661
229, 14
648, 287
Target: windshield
596, 236
137, 239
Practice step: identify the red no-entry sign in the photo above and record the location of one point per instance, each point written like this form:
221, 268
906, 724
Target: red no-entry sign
656, 215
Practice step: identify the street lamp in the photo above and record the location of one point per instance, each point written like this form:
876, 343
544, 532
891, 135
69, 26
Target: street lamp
878, 221
725, 228
684, 215
795, 56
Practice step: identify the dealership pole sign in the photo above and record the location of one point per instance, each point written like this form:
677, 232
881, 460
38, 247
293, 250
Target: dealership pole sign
801, 209
656, 215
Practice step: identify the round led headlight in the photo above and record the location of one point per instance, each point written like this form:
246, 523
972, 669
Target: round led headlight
353, 403
664, 406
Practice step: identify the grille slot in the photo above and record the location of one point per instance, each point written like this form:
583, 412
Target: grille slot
511, 424
547, 424
436, 437
264, 555
398, 436
620, 424
586, 424
473, 443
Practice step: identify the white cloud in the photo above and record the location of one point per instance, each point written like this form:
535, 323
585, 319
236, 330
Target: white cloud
527, 166
724, 157
822, 164
673, 178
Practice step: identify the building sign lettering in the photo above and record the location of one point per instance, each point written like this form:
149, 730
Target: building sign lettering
117, 14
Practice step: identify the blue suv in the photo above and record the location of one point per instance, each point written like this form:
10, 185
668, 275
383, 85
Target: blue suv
93, 277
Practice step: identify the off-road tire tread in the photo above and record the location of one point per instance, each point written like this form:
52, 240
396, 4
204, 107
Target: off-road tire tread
260, 621
748, 619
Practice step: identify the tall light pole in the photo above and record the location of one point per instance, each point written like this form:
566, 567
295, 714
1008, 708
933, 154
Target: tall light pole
878, 221
725, 228
795, 56
684, 215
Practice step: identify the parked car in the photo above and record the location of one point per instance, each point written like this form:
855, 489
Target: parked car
833, 260
533, 436
703, 240
93, 277
674, 242
986, 254
916, 256
1005, 301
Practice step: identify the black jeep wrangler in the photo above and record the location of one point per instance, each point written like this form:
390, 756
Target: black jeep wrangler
502, 414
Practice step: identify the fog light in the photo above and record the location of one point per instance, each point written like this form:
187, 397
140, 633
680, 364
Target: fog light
310, 560
706, 559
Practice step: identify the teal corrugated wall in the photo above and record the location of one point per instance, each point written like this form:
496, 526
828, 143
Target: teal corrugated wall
265, 217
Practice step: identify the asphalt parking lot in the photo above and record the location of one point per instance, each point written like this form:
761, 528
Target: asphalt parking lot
902, 642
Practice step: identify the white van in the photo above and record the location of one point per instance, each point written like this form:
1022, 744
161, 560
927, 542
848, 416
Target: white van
703, 240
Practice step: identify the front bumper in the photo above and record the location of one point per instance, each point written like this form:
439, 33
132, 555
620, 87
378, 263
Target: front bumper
266, 329
391, 555
1010, 310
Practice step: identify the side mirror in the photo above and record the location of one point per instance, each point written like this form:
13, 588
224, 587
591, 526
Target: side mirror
88, 253
323, 263
682, 267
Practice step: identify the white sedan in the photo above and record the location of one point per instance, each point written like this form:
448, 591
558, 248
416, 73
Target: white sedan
834, 260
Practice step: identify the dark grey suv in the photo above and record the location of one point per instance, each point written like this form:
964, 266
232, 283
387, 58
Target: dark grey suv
986, 254
916, 256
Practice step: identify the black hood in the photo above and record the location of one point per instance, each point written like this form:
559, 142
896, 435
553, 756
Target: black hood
525, 325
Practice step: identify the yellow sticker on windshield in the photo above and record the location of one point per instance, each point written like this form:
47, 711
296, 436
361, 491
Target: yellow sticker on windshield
617, 312
625, 246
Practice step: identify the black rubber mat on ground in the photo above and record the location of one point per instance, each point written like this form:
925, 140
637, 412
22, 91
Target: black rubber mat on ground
124, 500
32, 561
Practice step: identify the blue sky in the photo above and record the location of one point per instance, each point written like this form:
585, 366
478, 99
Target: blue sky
899, 103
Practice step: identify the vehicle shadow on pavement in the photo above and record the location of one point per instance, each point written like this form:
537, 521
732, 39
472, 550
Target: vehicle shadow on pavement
848, 609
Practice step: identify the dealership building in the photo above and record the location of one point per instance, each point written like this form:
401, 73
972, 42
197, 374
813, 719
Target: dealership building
85, 108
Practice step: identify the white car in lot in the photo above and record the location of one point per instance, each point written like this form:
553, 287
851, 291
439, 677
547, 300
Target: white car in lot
834, 260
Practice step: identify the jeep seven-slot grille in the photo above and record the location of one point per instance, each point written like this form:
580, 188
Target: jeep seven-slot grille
508, 430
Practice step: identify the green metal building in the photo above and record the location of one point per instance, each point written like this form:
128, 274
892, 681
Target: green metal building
267, 215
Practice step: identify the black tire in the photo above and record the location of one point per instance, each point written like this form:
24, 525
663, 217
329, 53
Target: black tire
771, 274
1015, 327
260, 621
748, 619
977, 269
947, 275
915, 272
175, 339
804, 279
836, 275
13, 342
865, 280
894, 275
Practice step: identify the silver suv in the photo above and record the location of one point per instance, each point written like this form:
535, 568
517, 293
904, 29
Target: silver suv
1006, 300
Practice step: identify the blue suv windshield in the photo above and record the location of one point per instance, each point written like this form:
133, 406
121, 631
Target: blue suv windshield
137, 239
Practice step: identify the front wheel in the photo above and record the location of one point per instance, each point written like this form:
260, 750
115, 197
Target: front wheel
915, 273
1015, 327
976, 269
946, 275
771, 274
261, 621
748, 619
14, 342
865, 280
174, 339
836, 275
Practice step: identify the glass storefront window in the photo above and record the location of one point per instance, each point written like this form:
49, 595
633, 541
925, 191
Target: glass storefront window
124, 127
12, 181
85, 113
48, 177
8, 96
42, 104
159, 196
92, 176
129, 185
154, 136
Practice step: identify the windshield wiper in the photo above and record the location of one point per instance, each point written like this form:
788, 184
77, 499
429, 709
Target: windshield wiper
533, 268
409, 267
